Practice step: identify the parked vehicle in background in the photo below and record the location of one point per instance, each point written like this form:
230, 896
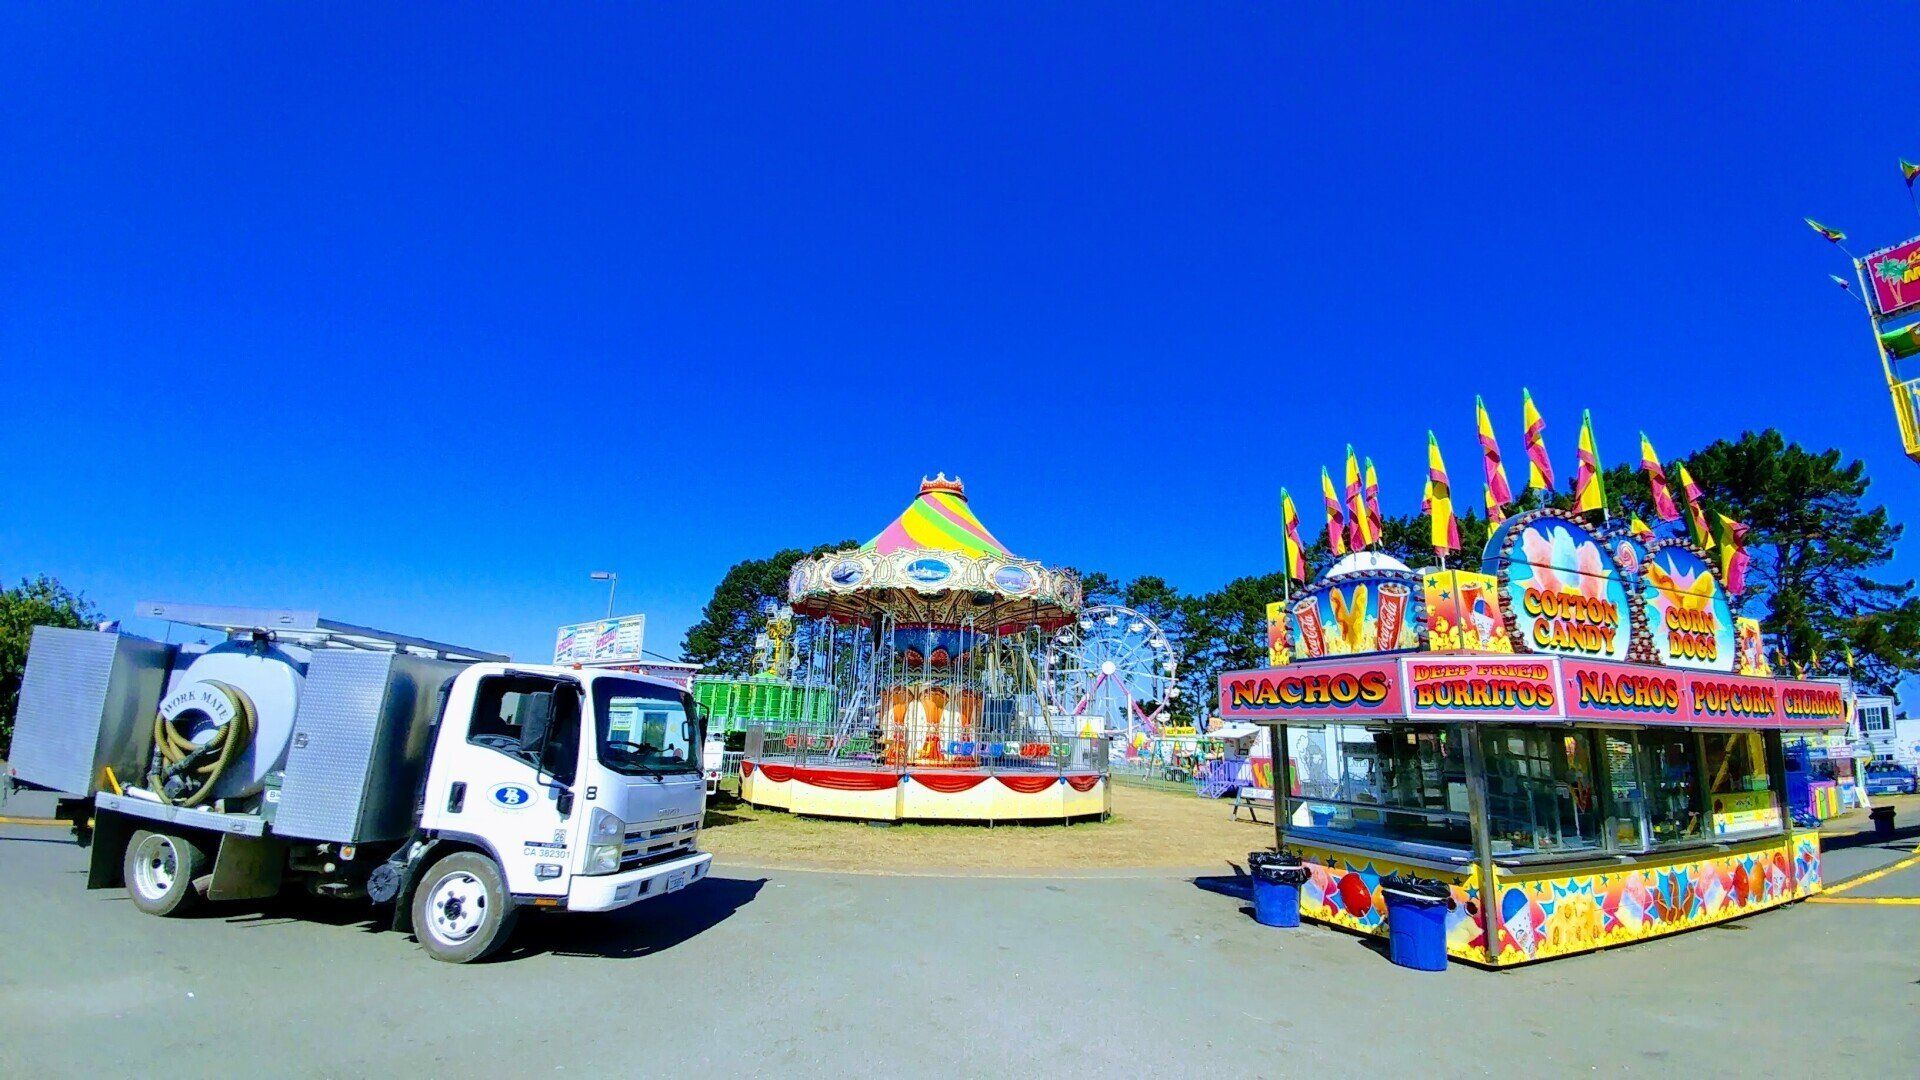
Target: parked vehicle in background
1891, 780
713, 760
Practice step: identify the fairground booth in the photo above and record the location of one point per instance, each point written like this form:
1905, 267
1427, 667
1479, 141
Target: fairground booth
1579, 740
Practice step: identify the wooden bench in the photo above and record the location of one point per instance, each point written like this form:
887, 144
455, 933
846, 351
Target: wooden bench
1252, 799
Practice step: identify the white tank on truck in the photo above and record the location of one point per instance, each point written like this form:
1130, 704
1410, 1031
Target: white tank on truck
449, 783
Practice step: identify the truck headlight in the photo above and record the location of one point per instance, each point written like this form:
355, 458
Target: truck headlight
604, 828
605, 836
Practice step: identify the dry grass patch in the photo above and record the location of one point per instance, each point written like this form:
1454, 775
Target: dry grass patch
1148, 830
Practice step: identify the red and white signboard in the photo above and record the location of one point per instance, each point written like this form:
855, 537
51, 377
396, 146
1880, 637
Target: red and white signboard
1439, 687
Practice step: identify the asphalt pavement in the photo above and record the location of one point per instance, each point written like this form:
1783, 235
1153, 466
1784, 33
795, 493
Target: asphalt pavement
837, 974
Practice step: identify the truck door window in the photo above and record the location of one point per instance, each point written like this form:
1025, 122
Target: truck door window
501, 707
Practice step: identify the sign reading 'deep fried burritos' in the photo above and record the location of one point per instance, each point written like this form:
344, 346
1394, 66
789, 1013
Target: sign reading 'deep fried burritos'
1453, 688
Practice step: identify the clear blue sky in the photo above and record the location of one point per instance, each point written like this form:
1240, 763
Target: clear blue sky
418, 316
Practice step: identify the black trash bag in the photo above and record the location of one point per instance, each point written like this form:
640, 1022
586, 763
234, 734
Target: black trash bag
1426, 892
1276, 868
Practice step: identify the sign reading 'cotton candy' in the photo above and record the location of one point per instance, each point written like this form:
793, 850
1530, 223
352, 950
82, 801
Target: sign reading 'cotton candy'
1562, 592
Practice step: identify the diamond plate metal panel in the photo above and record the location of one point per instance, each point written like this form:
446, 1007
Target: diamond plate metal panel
58, 725
360, 741
333, 737
87, 700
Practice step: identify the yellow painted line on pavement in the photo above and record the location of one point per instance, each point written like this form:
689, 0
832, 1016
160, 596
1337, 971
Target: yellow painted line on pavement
47, 821
1876, 875
1901, 901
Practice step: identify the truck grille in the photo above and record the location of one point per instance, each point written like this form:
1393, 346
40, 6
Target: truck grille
647, 846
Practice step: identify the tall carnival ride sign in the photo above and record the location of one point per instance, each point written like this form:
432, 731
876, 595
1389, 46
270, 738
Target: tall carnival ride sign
1893, 276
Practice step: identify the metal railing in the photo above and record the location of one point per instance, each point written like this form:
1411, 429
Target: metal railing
734, 703
899, 750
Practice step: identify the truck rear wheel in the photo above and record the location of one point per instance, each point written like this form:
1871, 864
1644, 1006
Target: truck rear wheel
462, 910
159, 869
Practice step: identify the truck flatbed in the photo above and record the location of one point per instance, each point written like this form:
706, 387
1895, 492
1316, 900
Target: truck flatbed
194, 816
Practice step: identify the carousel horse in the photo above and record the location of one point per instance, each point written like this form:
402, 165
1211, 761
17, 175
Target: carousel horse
897, 701
933, 709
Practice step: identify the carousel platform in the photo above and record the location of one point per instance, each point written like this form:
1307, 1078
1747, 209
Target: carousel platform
879, 792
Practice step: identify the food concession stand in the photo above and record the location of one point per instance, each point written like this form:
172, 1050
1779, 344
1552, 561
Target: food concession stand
1581, 741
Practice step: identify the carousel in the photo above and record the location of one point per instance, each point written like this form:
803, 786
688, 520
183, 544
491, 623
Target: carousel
934, 641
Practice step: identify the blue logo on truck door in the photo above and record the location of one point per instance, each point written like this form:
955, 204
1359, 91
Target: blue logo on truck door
510, 796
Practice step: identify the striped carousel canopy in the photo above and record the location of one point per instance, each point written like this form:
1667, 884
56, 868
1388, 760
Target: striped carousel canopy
934, 565
938, 519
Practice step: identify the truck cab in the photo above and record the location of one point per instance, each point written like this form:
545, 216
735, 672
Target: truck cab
582, 789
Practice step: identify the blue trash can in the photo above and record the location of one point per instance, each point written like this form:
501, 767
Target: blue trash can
1276, 887
1417, 922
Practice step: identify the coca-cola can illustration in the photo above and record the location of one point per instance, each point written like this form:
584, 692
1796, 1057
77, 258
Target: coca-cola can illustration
1392, 616
1313, 636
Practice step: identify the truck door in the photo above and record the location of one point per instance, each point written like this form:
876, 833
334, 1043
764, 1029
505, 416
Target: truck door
503, 774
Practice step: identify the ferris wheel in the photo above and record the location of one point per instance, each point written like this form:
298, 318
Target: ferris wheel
1112, 670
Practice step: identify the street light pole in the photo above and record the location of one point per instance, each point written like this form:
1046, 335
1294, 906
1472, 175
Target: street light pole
613, 582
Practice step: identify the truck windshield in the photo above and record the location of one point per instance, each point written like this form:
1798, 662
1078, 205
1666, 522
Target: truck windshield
644, 730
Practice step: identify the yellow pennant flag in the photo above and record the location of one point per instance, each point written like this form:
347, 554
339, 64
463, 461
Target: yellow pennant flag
1445, 527
1589, 487
1359, 522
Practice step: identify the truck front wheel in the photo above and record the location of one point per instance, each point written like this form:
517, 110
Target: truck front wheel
462, 911
159, 870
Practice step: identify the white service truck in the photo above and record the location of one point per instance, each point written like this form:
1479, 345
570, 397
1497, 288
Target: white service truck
451, 784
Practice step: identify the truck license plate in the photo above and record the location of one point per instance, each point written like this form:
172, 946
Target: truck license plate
676, 881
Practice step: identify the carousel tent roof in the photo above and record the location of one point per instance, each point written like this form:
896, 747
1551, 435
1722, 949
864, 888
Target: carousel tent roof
938, 519
935, 565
